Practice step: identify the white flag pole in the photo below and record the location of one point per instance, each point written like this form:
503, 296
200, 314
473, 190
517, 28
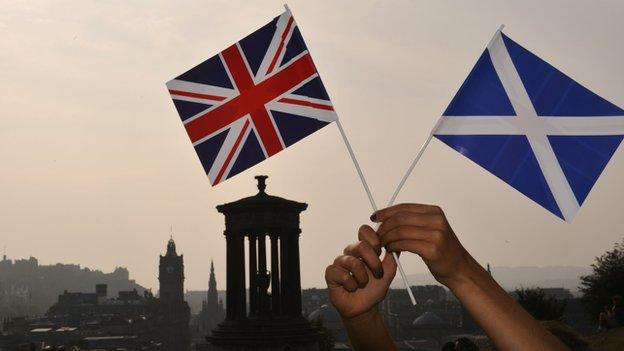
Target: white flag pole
409, 172
426, 143
373, 205
368, 193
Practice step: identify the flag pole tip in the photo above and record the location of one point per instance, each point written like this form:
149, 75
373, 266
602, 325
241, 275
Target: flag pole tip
286, 7
500, 29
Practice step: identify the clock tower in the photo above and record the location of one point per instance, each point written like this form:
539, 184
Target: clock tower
175, 335
171, 275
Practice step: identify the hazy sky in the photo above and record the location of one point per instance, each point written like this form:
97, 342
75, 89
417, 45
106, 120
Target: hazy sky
96, 165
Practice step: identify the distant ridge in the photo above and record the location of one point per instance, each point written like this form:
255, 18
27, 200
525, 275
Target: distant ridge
511, 278
28, 288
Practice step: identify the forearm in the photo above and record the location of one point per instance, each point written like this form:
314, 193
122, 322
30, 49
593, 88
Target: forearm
368, 332
507, 324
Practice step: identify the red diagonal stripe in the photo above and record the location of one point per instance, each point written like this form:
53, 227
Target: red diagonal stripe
266, 131
306, 103
238, 68
228, 159
196, 95
251, 100
281, 46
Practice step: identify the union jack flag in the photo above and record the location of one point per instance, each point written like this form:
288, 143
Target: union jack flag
252, 100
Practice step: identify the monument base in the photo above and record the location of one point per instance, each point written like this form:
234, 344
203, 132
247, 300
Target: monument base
293, 334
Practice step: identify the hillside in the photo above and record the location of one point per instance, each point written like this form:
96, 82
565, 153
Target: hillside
27, 288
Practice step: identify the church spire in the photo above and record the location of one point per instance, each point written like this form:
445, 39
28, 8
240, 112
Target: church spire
213, 299
171, 247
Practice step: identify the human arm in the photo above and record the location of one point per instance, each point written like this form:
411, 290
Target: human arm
424, 230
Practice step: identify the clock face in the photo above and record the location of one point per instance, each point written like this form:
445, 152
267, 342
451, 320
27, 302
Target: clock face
169, 269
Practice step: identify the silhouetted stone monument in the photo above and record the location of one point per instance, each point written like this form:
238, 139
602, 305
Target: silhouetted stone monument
274, 320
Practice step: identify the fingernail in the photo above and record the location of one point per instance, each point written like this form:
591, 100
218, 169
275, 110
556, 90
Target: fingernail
373, 217
379, 273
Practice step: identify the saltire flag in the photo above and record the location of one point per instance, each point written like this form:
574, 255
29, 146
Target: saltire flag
532, 126
252, 100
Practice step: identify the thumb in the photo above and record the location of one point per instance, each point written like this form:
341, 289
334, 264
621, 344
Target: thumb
389, 266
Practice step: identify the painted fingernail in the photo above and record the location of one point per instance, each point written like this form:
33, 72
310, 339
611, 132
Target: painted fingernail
379, 273
373, 217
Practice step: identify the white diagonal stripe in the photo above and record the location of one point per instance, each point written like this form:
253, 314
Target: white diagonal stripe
526, 115
274, 45
228, 143
196, 100
286, 41
176, 84
304, 111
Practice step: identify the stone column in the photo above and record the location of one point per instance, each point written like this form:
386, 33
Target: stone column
295, 273
275, 277
285, 288
263, 282
236, 308
253, 277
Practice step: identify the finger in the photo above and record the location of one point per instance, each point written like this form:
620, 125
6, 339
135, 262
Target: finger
355, 266
425, 220
366, 233
338, 276
383, 214
363, 250
406, 232
424, 249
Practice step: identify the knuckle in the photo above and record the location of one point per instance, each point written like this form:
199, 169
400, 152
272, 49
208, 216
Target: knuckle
437, 236
347, 249
363, 247
396, 246
339, 259
434, 252
328, 271
439, 220
437, 209
362, 230
352, 262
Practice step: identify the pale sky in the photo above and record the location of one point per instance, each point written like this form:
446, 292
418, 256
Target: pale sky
97, 166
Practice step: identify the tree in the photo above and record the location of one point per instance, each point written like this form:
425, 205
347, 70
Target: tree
606, 280
541, 306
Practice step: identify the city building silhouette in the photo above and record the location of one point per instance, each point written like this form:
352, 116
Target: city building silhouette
97, 321
175, 332
212, 311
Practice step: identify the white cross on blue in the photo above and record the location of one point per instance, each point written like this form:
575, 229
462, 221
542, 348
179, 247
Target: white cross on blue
532, 126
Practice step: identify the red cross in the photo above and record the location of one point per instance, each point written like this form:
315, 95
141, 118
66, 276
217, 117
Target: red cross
252, 99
